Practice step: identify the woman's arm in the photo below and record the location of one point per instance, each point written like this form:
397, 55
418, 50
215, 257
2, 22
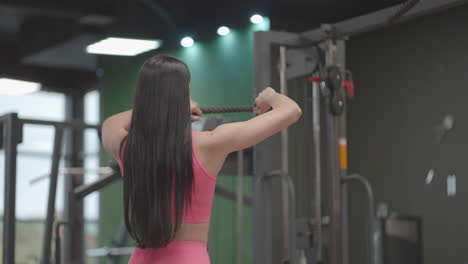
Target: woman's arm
114, 129
232, 137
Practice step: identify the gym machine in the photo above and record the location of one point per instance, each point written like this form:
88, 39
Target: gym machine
309, 222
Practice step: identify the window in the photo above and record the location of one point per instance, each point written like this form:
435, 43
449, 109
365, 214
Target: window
33, 168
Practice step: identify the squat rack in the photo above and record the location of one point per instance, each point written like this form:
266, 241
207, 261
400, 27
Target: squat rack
12, 128
11, 134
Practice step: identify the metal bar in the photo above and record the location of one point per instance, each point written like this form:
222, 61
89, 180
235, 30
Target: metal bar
284, 91
105, 252
264, 181
49, 222
227, 109
345, 224
333, 173
268, 212
120, 240
343, 157
121, 237
74, 171
379, 19
373, 244
291, 214
11, 129
403, 9
292, 219
67, 124
58, 243
284, 159
74, 232
318, 168
268, 39
262, 244
240, 207
83, 190
81, 171
272, 174
334, 199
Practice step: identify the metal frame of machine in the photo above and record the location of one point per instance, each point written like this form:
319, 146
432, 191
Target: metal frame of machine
320, 54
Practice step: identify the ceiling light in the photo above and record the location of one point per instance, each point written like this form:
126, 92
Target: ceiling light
17, 87
187, 42
223, 31
256, 19
123, 46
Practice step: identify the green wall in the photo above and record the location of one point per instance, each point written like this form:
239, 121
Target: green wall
222, 74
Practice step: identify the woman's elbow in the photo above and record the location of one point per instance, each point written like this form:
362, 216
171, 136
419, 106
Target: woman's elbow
105, 127
106, 133
296, 113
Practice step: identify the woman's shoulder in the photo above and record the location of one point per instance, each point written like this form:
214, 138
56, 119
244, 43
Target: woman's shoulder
211, 160
200, 138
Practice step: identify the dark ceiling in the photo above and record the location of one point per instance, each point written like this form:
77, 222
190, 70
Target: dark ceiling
44, 40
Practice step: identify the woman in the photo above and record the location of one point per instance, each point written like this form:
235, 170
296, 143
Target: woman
169, 171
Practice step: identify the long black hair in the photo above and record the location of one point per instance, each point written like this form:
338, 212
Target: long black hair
157, 158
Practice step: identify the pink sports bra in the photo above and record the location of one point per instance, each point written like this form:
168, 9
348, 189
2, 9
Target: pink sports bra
199, 210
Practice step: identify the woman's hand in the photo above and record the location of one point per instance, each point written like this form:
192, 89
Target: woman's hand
195, 110
264, 100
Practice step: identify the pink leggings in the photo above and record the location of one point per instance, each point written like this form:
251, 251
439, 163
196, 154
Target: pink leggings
177, 252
